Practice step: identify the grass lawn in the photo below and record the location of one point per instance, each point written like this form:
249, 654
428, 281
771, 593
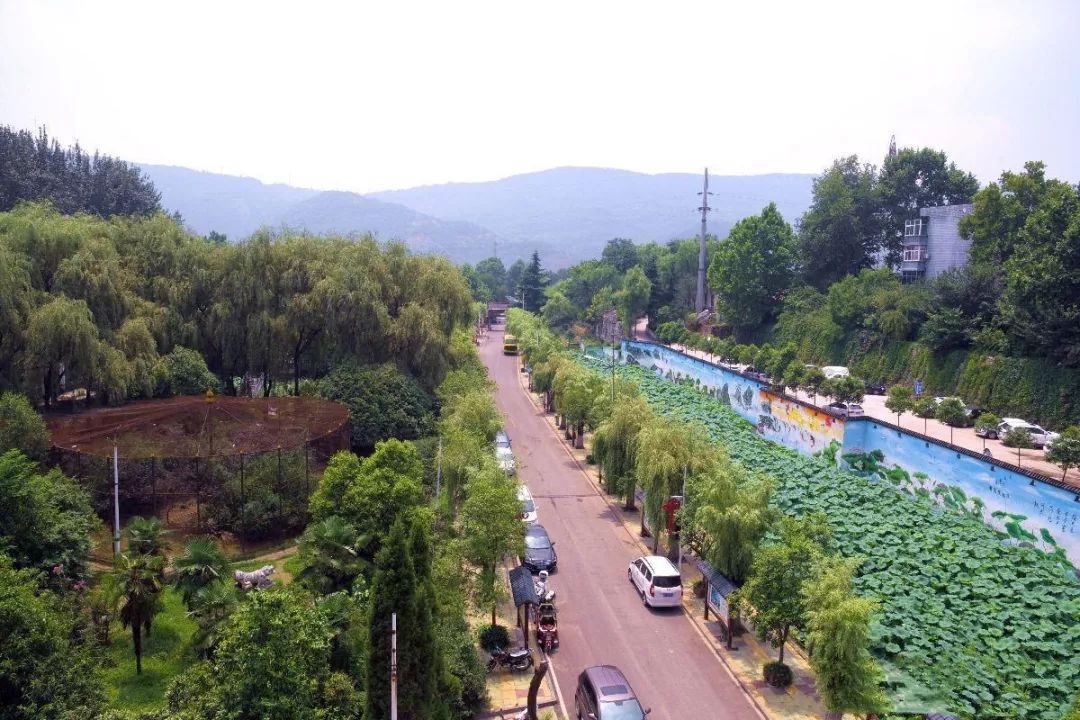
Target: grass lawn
166, 654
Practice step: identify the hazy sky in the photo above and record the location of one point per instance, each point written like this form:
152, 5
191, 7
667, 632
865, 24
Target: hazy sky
376, 95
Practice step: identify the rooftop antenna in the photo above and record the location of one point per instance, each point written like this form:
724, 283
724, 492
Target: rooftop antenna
704, 210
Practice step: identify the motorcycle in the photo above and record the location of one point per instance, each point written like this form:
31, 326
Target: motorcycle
514, 659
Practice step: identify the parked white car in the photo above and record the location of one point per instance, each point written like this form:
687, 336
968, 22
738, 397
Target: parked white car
505, 458
1039, 436
835, 371
657, 581
848, 410
528, 506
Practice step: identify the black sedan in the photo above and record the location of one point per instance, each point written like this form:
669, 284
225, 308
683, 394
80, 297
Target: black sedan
539, 550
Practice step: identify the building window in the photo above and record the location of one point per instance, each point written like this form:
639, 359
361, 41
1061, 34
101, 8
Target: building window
914, 228
911, 276
915, 253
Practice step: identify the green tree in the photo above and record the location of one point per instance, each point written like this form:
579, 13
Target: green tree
61, 346
845, 389
273, 660
394, 590
139, 583
952, 412
813, 380
491, 527
575, 393
753, 267
773, 594
383, 403
838, 638
371, 494
633, 298
210, 607
533, 282
146, 536
987, 423
729, 507
203, 563
621, 254
558, 312
669, 455
43, 672
184, 372
841, 232
45, 518
21, 428
332, 556
492, 275
901, 399
1065, 450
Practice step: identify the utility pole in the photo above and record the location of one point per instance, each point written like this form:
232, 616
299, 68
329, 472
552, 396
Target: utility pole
682, 504
704, 210
116, 500
393, 666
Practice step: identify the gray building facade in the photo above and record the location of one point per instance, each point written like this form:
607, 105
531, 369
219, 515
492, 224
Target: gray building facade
933, 244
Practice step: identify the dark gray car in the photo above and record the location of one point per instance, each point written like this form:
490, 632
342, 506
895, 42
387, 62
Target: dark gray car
539, 550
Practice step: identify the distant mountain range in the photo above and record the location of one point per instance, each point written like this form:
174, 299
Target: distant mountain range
567, 214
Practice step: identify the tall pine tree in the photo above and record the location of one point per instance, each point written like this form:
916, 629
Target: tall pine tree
533, 282
398, 588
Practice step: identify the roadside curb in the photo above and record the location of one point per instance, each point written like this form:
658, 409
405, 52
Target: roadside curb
695, 623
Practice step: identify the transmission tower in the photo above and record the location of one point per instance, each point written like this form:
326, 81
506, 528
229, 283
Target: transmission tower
704, 210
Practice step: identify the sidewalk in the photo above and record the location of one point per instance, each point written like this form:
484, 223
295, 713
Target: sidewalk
744, 664
508, 690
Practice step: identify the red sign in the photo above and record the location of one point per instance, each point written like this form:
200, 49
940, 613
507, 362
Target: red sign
671, 507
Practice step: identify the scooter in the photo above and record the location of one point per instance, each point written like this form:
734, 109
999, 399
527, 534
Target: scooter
540, 585
514, 659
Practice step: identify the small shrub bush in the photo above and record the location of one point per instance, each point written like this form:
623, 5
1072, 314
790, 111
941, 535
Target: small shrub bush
777, 674
494, 636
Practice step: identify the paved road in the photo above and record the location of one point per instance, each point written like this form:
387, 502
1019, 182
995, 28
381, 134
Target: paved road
601, 619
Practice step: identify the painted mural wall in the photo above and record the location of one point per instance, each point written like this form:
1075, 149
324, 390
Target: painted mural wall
784, 421
1034, 505
1042, 506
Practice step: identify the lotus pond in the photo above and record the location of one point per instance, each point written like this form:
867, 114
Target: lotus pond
970, 621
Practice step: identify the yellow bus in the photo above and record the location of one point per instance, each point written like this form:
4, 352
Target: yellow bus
510, 346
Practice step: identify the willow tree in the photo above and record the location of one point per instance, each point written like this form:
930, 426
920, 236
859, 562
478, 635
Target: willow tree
838, 638
670, 455
615, 445
575, 391
729, 510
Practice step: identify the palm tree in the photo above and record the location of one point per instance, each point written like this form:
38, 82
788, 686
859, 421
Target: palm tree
211, 606
145, 536
331, 551
139, 583
202, 563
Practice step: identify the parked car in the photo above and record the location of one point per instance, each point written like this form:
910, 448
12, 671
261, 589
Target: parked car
604, 693
502, 439
528, 507
848, 410
988, 433
539, 550
835, 371
875, 388
1039, 436
505, 458
657, 581
1051, 438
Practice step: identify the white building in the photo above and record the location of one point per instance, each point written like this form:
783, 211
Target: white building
933, 244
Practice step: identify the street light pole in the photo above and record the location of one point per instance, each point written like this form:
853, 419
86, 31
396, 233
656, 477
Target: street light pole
681, 506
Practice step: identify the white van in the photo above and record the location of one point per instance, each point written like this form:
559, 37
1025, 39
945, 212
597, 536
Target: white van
657, 581
835, 371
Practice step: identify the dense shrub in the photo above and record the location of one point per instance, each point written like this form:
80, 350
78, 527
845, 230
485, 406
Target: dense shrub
494, 636
21, 428
183, 372
777, 674
383, 403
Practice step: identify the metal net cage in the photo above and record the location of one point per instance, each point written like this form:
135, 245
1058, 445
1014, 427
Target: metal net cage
242, 465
